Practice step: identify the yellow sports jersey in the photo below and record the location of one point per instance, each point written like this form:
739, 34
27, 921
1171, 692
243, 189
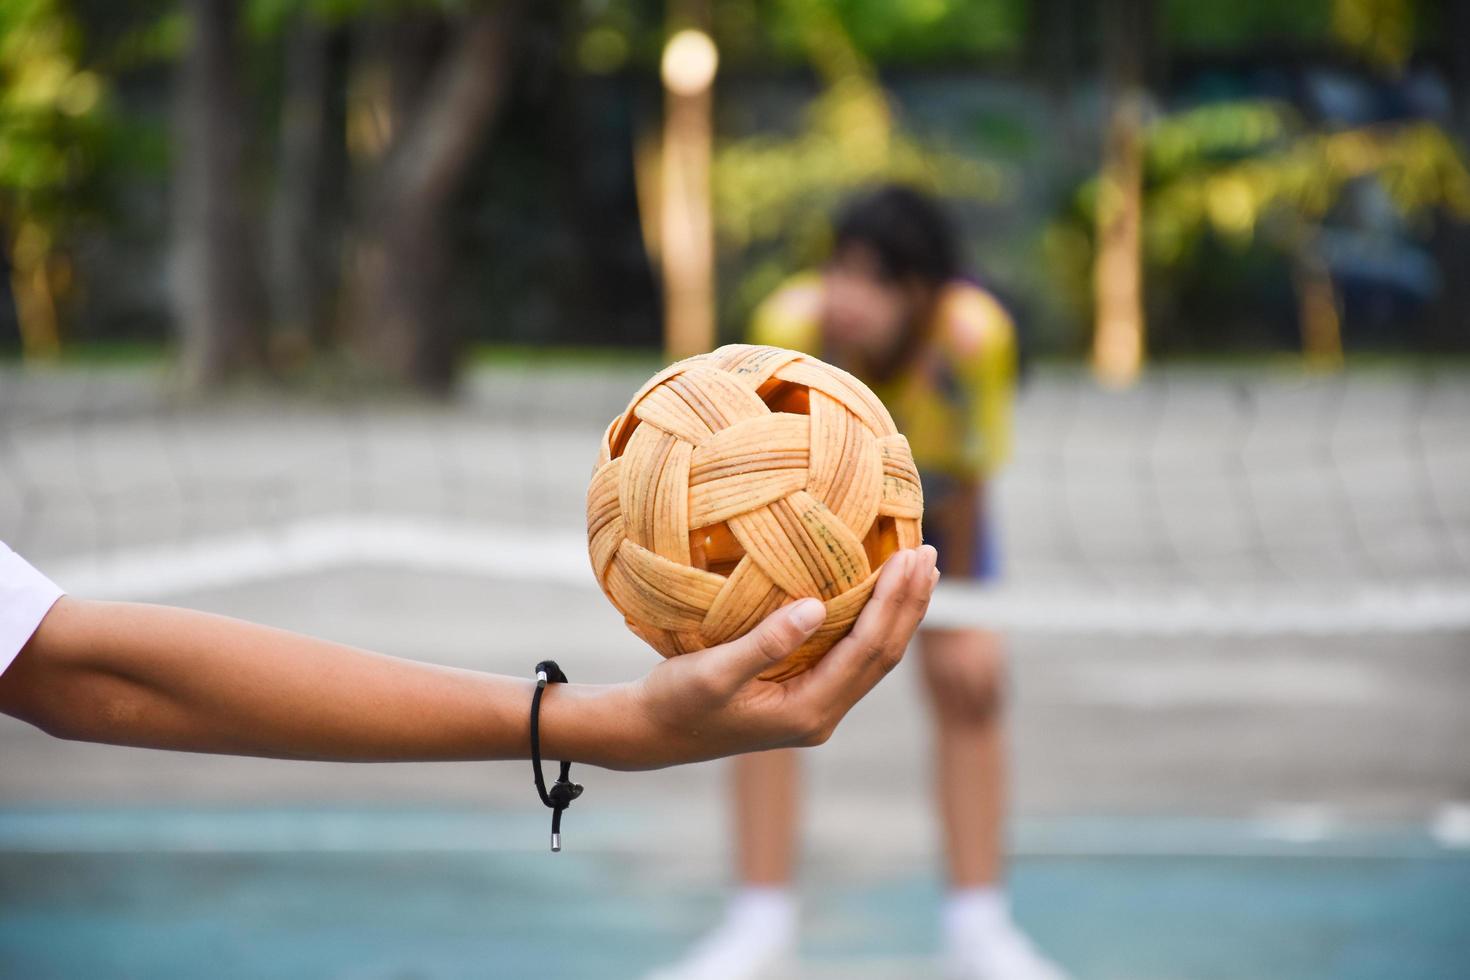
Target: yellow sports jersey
954, 402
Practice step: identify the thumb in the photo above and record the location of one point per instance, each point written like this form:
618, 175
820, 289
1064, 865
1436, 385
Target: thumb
773, 640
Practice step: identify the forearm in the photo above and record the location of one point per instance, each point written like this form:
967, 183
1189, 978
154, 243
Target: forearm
170, 678
159, 677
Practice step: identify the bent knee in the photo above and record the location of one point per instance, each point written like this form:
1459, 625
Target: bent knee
966, 675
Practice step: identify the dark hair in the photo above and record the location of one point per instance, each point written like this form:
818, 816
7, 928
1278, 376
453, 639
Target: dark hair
905, 229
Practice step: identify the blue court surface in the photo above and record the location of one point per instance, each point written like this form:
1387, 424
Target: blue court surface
353, 893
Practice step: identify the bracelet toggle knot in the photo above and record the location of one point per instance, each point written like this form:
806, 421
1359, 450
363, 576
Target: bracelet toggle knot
563, 791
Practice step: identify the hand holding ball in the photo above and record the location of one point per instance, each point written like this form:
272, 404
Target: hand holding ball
738, 481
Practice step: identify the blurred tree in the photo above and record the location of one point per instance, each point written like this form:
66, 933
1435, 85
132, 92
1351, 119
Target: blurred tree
1381, 31
308, 210
549, 236
1244, 25
1249, 175
774, 194
218, 290
1244, 177
686, 225
1117, 276
1452, 241
1055, 46
361, 124
52, 126
955, 32
424, 93
1454, 24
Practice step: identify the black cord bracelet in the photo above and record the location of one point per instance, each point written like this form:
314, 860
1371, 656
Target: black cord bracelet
564, 791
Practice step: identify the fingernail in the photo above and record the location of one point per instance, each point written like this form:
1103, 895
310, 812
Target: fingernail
808, 614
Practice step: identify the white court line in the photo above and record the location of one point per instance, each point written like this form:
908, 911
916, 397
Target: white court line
128, 830
559, 557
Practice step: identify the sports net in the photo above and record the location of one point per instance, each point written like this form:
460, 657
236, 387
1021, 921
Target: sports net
1230, 501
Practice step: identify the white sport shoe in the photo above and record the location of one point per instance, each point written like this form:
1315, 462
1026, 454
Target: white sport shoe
720, 956
1005, 953
757, 941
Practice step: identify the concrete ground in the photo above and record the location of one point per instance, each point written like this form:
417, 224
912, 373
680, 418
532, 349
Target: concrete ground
1238, 607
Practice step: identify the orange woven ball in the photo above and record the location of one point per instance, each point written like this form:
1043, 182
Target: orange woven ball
739, 480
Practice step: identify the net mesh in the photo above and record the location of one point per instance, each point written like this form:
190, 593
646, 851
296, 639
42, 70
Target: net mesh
1216, 500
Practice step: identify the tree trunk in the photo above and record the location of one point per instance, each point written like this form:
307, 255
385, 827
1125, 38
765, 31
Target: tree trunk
218, 295
1118, 336
397, 272
1054, 55
30, 290
1318, 315
1449, 329
306, 222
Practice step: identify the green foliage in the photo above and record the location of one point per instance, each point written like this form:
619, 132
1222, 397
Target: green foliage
51, 131
607, 37
1381, 32
911, 32
614, 34
774, 194
766, 185
266, 18
1238, 170
150, 40
1192, 24
50, 109
1242, 188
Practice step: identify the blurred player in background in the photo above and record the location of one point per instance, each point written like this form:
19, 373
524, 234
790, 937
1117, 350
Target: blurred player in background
893, 307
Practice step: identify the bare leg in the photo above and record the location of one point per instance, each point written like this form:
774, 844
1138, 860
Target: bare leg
964, 671
758, 933
766, 789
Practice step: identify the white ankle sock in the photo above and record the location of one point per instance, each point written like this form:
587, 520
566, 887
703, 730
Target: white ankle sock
765, 913
758, 931
971, 914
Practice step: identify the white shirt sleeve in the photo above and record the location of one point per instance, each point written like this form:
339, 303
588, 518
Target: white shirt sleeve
26, 596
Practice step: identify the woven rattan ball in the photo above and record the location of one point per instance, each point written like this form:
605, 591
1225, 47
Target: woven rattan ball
739, 480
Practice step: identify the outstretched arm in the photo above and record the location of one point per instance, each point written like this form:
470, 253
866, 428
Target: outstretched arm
168, 678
